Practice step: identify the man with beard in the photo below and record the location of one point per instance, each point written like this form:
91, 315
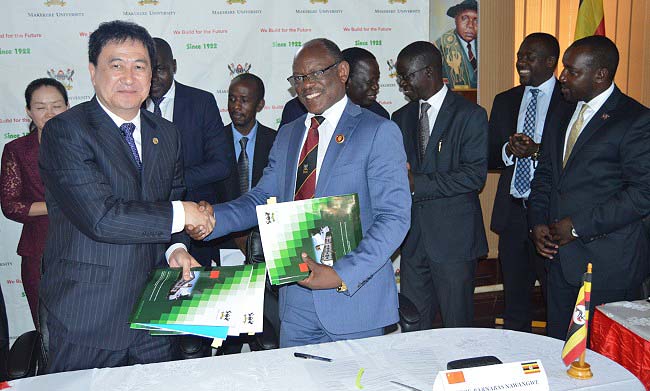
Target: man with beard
517, 122
342, 150
591, 188
207, 157
445, 137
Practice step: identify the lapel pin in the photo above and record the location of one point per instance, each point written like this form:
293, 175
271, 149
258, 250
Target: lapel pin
604, 116
340, 138
154, 140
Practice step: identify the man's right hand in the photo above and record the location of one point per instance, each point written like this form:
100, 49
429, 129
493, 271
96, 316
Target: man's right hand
522, 146
199, 219
541, 236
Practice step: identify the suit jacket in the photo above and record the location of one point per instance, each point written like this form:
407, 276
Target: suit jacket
503, 124
20, 187
228, 189
605, 190
207, 159
110, 223
446, 214
370, 162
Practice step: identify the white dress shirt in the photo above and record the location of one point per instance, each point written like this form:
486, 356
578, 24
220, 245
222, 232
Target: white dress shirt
178, 219
436, 103
167, 104
325, 130
594, 105
543, 103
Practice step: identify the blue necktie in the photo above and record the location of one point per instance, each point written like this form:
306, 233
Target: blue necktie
522, 171
156, 105
127, 129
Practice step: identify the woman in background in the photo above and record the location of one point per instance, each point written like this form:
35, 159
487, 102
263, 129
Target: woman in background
22, 194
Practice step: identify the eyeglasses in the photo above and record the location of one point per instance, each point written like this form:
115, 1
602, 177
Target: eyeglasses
408, 78
297, 80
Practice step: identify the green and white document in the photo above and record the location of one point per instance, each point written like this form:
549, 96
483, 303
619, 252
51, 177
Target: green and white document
209, 304
325, 228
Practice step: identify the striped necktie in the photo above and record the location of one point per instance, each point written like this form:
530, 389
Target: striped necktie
306, 175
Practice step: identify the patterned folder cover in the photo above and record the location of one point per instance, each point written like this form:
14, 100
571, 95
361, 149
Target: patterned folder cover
325, 228
208, 304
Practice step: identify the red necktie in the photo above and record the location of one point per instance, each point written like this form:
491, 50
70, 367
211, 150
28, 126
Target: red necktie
306, 174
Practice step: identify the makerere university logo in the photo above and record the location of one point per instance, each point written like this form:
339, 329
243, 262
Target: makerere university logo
148, 2
55, 2
238, 69
392, 72
64, 77
231, 2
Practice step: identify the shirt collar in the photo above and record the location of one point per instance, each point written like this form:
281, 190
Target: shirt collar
119, 120
596, 102
332, 114
171, 92
238, 136
436, 99
545, 88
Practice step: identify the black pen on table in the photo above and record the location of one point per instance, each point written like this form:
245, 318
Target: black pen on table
311, 357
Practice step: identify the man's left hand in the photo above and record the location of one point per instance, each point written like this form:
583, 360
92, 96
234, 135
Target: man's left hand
561, 231
321, 276
181, 258
411, 183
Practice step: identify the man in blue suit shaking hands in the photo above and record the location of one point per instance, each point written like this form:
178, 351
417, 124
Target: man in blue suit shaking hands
346, 149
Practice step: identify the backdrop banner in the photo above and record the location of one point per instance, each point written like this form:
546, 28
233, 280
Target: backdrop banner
212, 41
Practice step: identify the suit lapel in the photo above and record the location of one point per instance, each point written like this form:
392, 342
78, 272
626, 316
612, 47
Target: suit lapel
444, 117
346, 126
596, 122
298, 130
262, 147
150, 147
110, 136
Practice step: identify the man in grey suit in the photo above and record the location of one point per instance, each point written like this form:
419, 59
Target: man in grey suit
343, 149
113, 175
445, 137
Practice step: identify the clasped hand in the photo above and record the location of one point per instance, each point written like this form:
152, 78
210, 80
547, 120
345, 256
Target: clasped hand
199, 219
522, 146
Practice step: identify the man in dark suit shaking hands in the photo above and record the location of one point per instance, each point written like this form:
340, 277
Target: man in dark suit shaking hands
113, 176
592, 186
445, 137
517, 123
207, 158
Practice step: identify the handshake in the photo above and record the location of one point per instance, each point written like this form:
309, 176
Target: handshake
199, 219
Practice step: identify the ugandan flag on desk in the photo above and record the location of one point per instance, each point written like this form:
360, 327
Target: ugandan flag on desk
576, 339
591, 19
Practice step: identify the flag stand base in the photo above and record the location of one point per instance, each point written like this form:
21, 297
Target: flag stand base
580, 371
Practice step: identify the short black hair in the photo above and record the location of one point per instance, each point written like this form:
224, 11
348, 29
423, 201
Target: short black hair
163, 47
118, 31
549, 43
331, 48
425, 53
43, 82
602, 51
355, 55
259, 84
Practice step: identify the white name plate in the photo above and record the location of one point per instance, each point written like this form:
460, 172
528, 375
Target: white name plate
519, 376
